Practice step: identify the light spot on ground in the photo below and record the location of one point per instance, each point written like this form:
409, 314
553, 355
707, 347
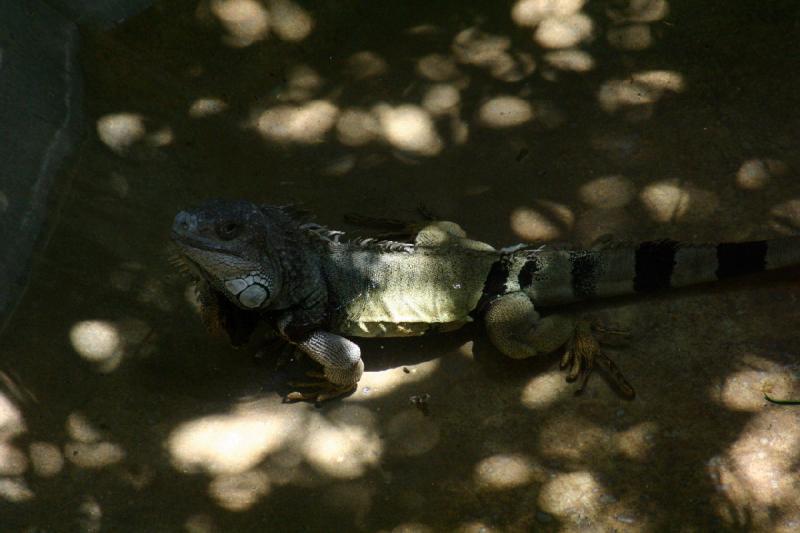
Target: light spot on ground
11, 421
199, 523
575, 492
564, 32
97, 341
786, 216
637, 443
637, 10
15, 490
758, 472
546, 222
307, 123
754, 174
302, 82
228, 444
93, 455
366, 64
13, 462
661, 80
290, 21
412, 527
81, 429
239, 492
641, 89
438, 67
607, 192
441, 99
503, 471
633, 37
571, 438
345, 444
492, 52
744, 390
665, 201
379, 384
505, 112
532, 12
573, 60
120, 131
476, 527
410, 128
46, 459
544, 390
356, 127
206, 107
245, 21
411, 433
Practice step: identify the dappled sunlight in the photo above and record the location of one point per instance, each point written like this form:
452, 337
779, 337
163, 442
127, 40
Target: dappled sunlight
13, 462
130, 133
564, 32
637, 443
207, 107
11, 421
307, 123
379, 384
366, 64
607, 192
574, 493
544, 390
756, 174
410, 433
639, 91
356, 127
571, 60
88, 448
505, 112
302, 83
744, 390
46, 459
231, 443
15, 490
506, 471
637, 10
98, 342
545, 222
238, 492
345, 443
669, 201
441, 99
786, 216
409, 128
246, 22
572, 438
757, 474
438, 67
493, 53
529, 13
632, 37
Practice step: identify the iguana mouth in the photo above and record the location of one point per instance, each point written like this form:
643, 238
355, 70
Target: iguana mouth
188, 241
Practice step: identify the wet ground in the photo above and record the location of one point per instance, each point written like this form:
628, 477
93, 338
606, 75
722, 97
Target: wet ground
531, 121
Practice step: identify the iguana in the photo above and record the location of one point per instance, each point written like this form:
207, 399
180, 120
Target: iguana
262, 263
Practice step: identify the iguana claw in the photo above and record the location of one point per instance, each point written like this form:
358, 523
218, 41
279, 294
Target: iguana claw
319, 390
583, 351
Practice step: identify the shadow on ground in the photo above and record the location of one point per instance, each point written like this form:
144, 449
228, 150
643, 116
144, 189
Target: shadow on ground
527, 121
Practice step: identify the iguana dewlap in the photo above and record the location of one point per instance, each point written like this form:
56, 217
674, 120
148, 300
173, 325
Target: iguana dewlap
316, 290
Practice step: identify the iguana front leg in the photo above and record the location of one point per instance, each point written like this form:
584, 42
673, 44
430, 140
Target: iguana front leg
341, 362
517, 330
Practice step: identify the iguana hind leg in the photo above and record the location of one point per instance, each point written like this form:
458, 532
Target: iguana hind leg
517, 330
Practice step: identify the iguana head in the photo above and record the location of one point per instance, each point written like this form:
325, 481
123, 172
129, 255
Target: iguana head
234, 246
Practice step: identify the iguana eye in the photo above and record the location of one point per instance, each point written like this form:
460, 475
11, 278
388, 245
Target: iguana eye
228, 230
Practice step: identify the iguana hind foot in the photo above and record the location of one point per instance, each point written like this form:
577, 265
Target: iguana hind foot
583, 351
317, 391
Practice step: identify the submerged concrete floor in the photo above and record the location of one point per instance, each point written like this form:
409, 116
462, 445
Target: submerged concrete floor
522, 122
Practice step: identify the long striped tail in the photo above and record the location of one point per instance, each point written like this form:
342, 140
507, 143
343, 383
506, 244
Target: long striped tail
561, 276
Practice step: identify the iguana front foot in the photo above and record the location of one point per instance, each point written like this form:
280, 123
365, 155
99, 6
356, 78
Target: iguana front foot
583, 351
318, 391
